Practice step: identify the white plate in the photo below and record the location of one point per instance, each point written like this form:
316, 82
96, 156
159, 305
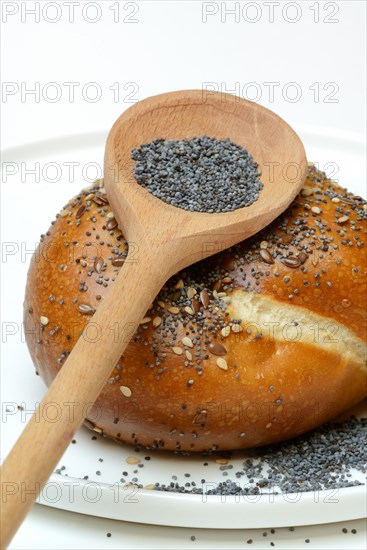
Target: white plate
30, 205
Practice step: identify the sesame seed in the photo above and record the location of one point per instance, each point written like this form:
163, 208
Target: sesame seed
191, 292
179, 285
145, 320
221, 461
133, 460
226, 331
222, 363
44, 320
125, 391
266, 256
86, 309
173, 310
177, 350
187, 342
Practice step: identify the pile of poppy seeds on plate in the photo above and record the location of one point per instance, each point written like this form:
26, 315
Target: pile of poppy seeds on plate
320, 460
200, 174
331, 457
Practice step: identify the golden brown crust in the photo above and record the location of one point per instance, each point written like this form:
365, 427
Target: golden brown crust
202, 377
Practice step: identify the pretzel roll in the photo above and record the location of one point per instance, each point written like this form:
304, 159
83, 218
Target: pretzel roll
254, 345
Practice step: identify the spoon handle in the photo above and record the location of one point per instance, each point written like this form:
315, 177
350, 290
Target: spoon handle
82, 377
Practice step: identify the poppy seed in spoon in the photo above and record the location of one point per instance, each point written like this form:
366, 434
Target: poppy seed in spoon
200, 174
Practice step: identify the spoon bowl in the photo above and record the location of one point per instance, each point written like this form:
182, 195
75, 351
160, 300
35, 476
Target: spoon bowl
191, 236
166, 239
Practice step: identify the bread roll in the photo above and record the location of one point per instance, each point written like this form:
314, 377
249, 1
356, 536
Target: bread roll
254, 345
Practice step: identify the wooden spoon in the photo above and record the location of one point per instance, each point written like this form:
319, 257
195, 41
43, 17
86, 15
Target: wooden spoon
166, 239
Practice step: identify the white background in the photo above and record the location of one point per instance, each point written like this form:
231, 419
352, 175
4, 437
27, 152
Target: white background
170, 47
320, 58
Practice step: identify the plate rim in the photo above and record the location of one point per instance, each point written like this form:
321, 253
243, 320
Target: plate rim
277, 513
